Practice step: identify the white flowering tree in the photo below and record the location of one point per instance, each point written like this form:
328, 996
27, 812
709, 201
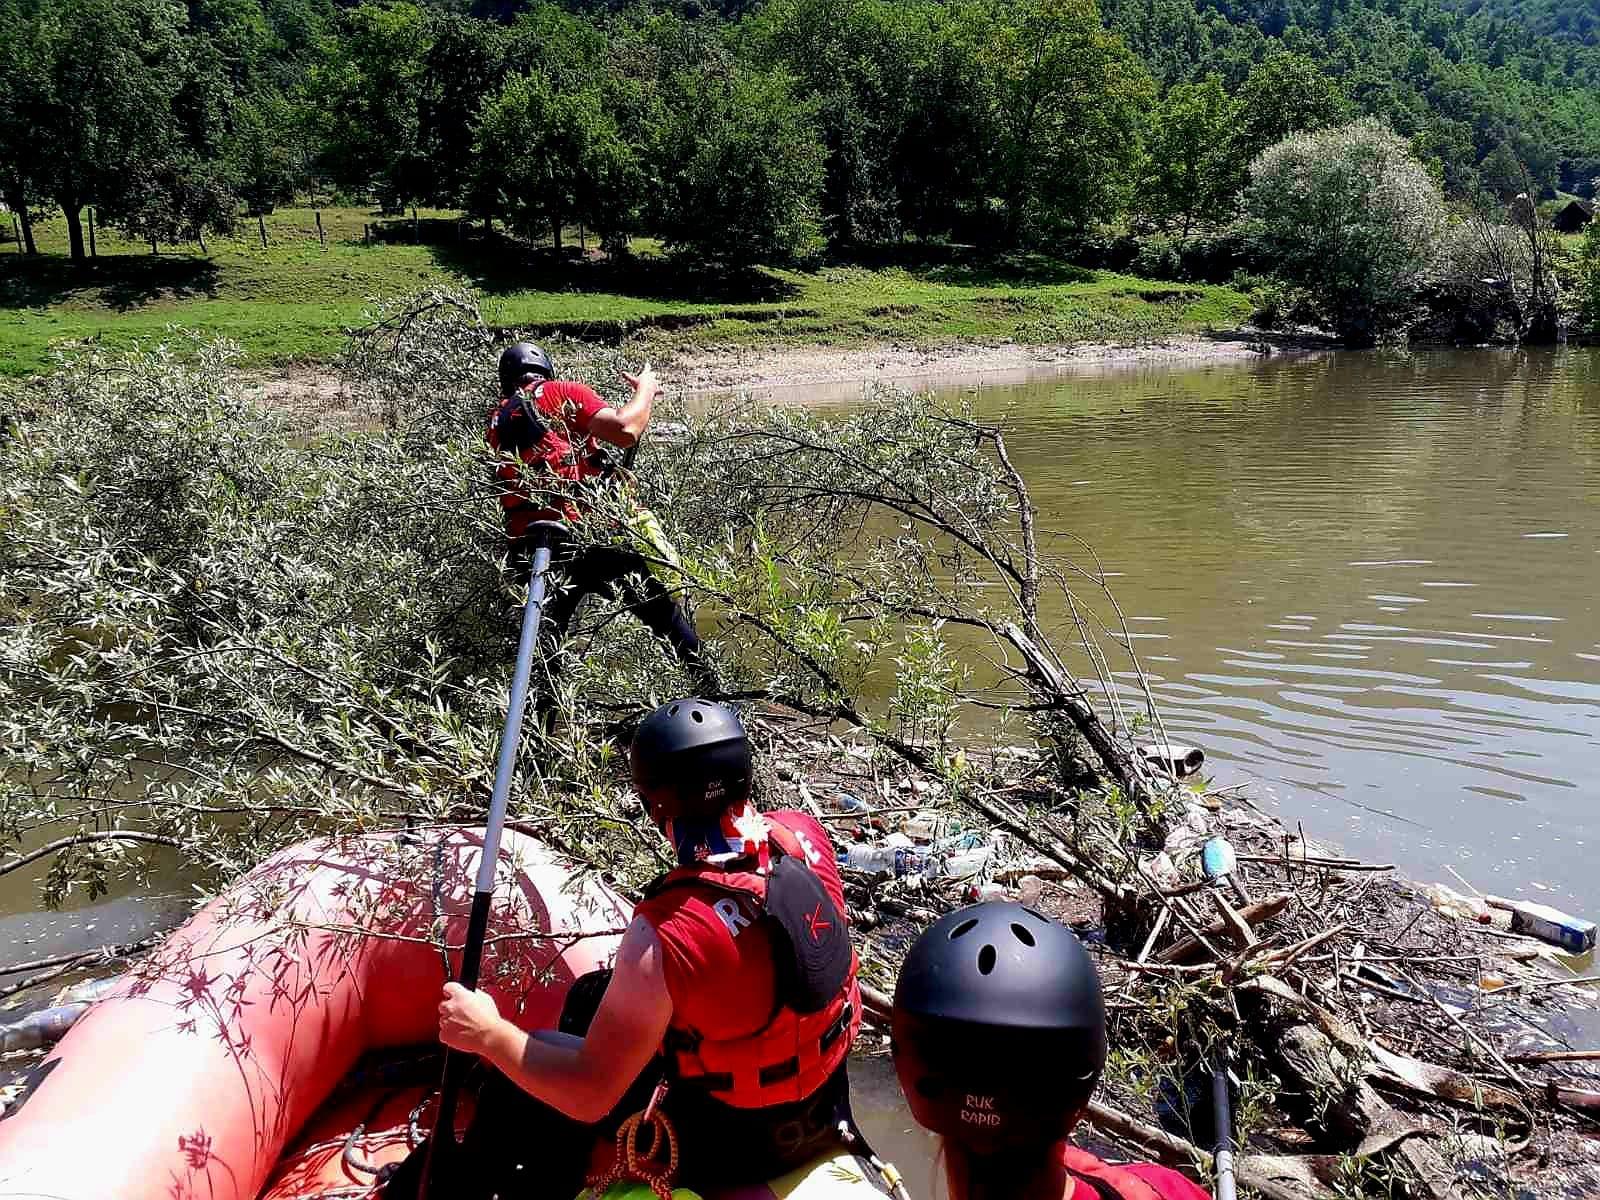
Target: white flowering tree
1350, 214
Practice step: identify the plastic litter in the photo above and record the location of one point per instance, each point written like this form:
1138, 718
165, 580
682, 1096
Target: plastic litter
896, 860
1029, 889
1180, 761
1218, 860
1573, 934
1448, 902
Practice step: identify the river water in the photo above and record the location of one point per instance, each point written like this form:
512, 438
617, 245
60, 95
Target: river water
1364, 583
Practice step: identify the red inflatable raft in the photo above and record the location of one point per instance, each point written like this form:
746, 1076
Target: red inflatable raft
221, 1068
191, 1079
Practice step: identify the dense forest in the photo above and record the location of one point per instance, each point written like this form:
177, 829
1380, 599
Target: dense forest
757, 130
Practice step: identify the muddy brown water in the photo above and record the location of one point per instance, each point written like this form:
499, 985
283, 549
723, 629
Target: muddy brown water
1364, 584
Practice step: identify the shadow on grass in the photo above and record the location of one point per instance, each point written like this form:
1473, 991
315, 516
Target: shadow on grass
961, 265
498, 265
119, 281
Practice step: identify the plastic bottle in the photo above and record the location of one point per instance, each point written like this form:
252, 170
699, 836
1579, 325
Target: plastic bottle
963, 864
896, 860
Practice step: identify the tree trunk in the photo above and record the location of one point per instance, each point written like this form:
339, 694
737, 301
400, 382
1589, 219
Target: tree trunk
555, 234
154, 249
74, 215
261, 224
28, 243
94, 250
200, 236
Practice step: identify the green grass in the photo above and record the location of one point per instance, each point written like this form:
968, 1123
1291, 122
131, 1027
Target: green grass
291, 300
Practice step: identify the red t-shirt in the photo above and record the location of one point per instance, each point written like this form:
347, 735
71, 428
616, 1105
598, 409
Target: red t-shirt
1164, 1182
567, 409
716, 953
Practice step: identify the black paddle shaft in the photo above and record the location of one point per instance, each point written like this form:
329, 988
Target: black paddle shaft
542, 534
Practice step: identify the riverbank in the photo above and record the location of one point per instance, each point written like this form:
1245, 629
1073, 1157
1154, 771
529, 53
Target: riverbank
820, 374
290, 297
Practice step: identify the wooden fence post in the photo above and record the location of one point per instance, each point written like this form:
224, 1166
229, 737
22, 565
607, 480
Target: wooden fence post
261, 224
321, 237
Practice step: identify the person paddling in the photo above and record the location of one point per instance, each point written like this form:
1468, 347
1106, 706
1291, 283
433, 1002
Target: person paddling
999, 1037
735, 982
562, 428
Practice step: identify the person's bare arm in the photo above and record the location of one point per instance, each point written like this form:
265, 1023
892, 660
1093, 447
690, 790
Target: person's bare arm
582, 1077
624, 426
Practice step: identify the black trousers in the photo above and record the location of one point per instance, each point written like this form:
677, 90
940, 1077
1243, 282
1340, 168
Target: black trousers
519, 1148
617, 574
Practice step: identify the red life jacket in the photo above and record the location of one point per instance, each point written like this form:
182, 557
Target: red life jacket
542, 425
795, 1052
1093, 1179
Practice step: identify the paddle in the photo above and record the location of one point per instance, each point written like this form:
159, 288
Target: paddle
1224, 1154
542, 535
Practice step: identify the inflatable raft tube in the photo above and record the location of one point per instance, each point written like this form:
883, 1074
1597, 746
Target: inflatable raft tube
328, 1163
189, 1080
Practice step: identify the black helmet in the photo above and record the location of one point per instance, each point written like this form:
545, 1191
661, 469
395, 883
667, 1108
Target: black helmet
999, 1029
520, 360
691, 758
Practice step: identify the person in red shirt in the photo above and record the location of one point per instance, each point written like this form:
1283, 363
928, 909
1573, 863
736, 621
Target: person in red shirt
560, 429
999, 1037
736, 975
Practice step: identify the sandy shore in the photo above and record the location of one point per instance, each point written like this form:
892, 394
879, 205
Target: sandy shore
841, 371
802, 374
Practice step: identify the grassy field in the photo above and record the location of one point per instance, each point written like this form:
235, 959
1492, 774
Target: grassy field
291, 300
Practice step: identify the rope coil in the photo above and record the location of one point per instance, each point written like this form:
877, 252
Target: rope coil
634, 1165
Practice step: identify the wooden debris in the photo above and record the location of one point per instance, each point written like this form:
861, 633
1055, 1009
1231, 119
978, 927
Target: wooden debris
1253, 914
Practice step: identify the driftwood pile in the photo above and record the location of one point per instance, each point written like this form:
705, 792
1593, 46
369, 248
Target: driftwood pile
1385, 1048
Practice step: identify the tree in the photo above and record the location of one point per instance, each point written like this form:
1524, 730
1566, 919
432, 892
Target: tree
263, 157
465, 66
739, 159
95, 82
19, 160
1351, 215
1285, 93
179, 199
1190, 174
368, 94
1068, 109
545, 157
1589, 277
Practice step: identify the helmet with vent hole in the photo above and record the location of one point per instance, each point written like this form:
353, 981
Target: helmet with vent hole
691, 758
999, 1030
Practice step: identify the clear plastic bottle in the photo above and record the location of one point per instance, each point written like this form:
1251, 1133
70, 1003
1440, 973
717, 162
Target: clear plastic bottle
896, 860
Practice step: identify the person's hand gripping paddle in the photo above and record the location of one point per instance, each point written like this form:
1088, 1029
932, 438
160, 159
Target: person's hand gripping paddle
543, 535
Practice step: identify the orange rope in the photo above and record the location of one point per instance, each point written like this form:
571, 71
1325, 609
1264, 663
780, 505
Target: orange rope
633, 1165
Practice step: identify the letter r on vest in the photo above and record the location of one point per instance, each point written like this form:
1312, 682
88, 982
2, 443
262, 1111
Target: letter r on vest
732, 915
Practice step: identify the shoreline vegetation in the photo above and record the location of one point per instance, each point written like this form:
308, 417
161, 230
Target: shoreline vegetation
292, 301
199, 595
